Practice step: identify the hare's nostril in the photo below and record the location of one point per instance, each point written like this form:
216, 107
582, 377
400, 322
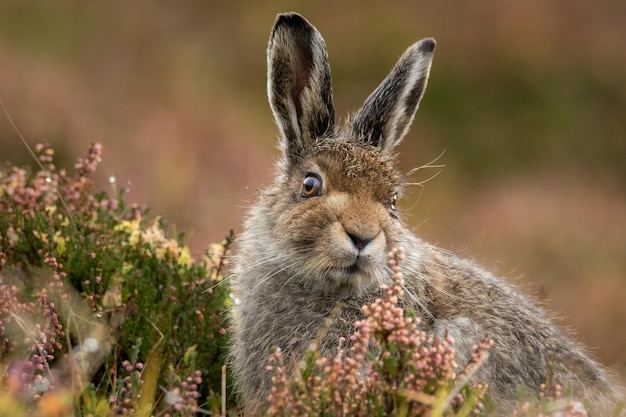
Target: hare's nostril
358, 241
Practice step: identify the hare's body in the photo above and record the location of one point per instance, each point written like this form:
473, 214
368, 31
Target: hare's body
314, 247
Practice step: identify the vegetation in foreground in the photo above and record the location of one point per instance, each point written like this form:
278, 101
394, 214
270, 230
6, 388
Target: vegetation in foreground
102, 314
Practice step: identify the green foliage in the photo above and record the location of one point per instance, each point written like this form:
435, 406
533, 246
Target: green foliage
91, 289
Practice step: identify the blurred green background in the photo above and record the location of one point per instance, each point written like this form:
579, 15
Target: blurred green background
527, 99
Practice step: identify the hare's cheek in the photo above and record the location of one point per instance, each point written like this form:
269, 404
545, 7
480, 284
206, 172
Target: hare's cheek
305, 222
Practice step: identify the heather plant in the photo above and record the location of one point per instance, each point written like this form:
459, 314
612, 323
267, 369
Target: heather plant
552, 401
410, 373
407, 372
101, 313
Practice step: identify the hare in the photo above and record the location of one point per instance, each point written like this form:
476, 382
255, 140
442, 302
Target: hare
314, 247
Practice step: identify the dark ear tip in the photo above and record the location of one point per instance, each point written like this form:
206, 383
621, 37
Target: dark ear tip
427, 45
290, 19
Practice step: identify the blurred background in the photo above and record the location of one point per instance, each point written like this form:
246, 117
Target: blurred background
526, 108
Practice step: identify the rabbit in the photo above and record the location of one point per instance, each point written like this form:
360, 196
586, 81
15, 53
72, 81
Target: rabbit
314, 247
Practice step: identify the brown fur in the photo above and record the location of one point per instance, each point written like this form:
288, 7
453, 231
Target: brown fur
306, 265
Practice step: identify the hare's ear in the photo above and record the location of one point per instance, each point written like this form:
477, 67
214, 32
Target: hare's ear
299, 84
387, 113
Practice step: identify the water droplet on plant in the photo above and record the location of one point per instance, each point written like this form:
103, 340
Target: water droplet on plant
42, 385
112, 179
91, 345
172, 397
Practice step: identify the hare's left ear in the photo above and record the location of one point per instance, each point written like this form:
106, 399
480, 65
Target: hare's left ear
299, 84
387, 113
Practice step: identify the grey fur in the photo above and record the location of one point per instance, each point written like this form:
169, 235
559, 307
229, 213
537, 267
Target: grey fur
298, 83
306, 265
388, 112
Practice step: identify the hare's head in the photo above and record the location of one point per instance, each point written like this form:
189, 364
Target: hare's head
332, 211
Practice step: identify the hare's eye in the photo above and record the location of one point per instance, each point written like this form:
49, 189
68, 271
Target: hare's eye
311, 186
392, 202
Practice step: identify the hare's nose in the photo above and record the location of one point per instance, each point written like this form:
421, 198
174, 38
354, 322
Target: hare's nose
358, 241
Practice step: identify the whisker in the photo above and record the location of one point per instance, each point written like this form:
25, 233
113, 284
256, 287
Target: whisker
428, 165
421, 183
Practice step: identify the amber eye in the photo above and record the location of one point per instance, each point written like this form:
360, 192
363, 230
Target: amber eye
311, 186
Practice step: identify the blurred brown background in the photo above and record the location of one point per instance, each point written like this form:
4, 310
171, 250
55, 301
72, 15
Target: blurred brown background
527, 98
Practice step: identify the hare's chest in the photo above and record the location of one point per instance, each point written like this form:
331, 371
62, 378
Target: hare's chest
315, 326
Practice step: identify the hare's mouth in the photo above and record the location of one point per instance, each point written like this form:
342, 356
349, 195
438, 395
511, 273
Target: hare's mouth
351, 271
350, 279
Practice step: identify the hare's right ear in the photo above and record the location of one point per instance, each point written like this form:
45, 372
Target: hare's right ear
299, 84
387, 113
